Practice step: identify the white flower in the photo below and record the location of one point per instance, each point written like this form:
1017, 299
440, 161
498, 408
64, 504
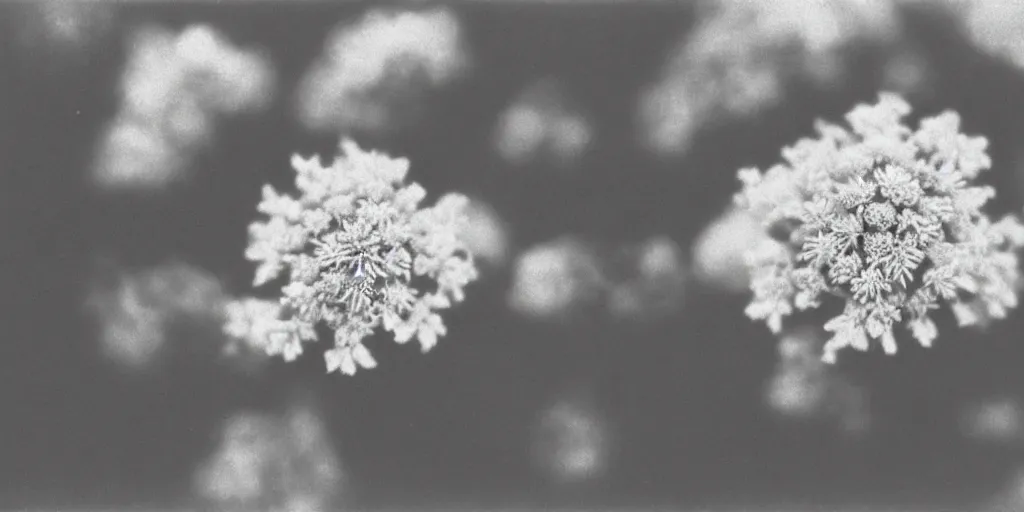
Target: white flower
902, 202
353, 271
349, 358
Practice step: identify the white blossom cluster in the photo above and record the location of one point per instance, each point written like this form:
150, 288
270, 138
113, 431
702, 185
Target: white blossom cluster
742, 54
884, 218
173, 89
372, 68
356, 251
272, 463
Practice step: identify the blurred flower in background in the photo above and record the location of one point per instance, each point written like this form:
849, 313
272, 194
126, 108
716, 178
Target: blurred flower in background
995, 27
907, 72
541, 124
270, 463
718, 252
1010, 497
173, 88
572, 440
566, 276
555, 278
742, 55
804, 387
798, 386
651, 285
63, 32
371, 72
486, 234
136, 310
997, 420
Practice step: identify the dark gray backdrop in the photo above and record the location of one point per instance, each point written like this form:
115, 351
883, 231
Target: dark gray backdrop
452, 427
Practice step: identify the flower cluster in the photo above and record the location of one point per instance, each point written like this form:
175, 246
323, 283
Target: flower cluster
358, 252
885, 218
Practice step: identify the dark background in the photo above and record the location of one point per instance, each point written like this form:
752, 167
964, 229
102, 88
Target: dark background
683, 394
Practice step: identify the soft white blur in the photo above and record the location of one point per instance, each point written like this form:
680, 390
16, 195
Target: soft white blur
994, 420
803, 387
555, 278
279, 463
541, 125
742, 55
798, 387
486, 234
135, 310
172, 90
371, 71
653, 282
572, 440
718, 252
995, 27
59, 32
908, 72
